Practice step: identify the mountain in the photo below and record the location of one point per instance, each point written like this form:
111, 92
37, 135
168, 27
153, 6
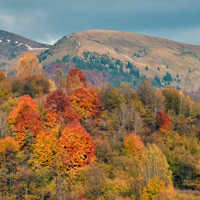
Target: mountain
151, 55
111, 56
12, 45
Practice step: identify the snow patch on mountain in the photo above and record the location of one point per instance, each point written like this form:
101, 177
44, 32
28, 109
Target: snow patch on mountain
29, 48
78, 44
20, 44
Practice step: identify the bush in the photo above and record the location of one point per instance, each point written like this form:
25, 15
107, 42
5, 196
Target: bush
33, 85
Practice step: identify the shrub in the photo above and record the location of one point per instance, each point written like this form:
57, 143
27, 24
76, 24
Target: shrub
35, 84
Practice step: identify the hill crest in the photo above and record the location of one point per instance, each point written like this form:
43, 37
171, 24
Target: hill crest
160, 55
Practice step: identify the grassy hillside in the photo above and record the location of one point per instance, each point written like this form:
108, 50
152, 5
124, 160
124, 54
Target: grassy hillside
159, 55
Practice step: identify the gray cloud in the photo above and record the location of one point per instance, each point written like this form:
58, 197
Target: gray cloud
49, 20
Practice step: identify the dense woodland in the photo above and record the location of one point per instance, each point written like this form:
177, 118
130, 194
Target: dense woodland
68, 140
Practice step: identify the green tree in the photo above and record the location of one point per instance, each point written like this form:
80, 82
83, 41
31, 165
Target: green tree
167, 77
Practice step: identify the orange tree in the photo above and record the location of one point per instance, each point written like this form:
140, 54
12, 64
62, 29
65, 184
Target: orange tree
27, 122
75, 80
79, 73
8, 148
86, 102
25, 118
133, 145
25, 104
76, 147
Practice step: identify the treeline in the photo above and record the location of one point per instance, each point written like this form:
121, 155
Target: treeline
107, 143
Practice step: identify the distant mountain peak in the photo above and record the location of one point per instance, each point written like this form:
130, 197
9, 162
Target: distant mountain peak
12, 45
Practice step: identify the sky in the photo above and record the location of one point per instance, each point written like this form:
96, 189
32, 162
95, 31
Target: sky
47, 21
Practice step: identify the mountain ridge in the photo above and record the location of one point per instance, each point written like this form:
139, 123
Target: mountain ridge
12, 45
176, 58
153, 56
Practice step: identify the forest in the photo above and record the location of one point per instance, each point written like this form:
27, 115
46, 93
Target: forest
69, 140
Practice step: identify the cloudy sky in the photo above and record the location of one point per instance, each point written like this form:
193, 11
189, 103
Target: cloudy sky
49, 20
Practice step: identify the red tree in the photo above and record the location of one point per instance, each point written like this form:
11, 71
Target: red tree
57, 101
79, 73
59, 110
163, 121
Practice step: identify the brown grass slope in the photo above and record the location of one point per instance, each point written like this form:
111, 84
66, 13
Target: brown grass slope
154, 52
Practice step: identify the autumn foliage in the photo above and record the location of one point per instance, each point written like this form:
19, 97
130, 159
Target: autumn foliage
5, 87
133, 145
29, 64
86, 102
51, 154
59, 110
79, 73
8, 148
75, 80
33, 85
153, 188
46, 148
26, 104
2, 76
80, 197
163, 121
57, 102
76, 147
27, 122
25, 117
121, 198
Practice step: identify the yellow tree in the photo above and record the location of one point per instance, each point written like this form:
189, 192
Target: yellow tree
153, 188
29, 64
155, 164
